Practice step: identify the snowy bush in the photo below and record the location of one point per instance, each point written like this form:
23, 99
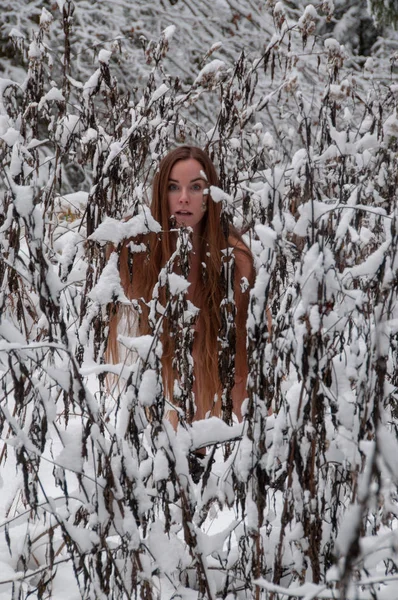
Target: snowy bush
97, 497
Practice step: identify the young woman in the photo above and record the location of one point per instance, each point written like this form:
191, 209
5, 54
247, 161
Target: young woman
181, 198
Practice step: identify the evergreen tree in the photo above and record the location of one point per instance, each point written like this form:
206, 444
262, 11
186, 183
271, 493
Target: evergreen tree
384, 12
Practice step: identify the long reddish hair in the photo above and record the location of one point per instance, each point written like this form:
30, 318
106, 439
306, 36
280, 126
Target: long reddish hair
139, 275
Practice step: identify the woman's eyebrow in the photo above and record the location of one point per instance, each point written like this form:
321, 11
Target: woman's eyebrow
192, 180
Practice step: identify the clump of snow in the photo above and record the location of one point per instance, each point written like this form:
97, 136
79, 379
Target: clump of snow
114, 231
332, 45
109, 287
54, 95
104, 56
11, 136
161, 91
16, 33
149, 387
91, 85
177, 284
23, 200
34, 51
390, 126
46, 19
210, 72
90, 135
267, 235
169, 32
143, 345
218, 195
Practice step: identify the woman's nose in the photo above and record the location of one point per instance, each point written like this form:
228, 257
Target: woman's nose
184, 195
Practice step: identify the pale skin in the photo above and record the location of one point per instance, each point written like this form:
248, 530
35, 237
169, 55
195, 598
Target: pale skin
186, 199
187, 202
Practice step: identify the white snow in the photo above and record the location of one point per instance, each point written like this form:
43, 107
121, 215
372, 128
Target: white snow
211, 70
111, 230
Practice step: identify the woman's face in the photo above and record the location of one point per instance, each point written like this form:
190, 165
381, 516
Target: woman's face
185, 197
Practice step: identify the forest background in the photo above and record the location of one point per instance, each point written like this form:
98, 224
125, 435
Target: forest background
296, 105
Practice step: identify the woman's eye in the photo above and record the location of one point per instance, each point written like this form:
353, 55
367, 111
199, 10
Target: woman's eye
172, 187
197, 187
